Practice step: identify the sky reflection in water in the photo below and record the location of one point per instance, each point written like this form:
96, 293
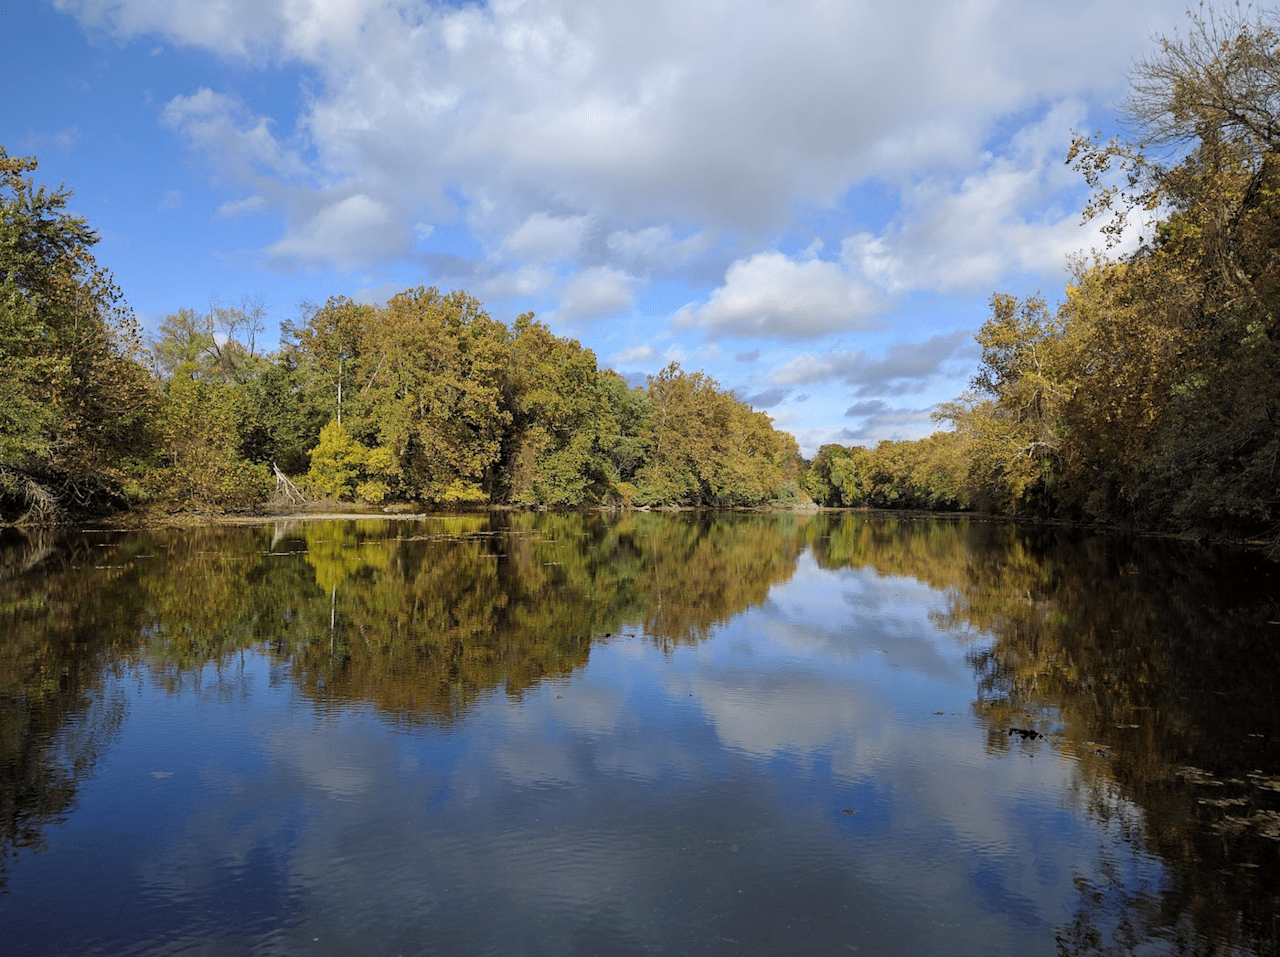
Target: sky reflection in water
814, 776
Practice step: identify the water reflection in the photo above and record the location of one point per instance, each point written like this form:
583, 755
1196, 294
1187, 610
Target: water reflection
754, 734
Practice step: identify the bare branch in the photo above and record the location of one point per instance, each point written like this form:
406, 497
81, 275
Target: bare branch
1220, 82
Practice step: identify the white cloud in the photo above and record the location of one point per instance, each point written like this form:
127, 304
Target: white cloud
239, 29
252, 30
905, 366
873, 258
593, 293
646, 155
234, 138
768, 398
64, 140
655, 246
351, 231
725, 120
880, 421
773, 295
544, 238
633, 355
874, 421
528, 280
1014, 210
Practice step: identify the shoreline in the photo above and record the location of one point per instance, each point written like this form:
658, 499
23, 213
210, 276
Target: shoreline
143, 519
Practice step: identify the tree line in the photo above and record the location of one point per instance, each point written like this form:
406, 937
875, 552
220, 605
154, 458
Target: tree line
425, 399
1149, 396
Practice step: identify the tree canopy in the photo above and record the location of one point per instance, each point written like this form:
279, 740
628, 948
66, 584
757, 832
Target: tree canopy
1149, 396
75, 404
426, 398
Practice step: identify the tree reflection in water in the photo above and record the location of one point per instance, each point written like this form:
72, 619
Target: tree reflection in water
1153, 664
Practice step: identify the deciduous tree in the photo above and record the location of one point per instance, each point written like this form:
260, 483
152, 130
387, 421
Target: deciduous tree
74, 401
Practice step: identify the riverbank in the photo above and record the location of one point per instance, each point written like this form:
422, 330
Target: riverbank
334, 510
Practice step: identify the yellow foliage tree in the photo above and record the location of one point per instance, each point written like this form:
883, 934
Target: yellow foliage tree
336, 462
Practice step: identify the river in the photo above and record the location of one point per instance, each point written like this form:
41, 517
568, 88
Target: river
636, 734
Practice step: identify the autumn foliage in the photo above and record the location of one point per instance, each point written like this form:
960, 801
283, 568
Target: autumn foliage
1149, 396
426, 399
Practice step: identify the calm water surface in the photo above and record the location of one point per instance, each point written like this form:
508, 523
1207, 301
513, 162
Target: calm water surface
673, 734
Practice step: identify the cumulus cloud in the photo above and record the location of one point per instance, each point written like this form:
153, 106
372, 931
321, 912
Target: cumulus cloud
778, 296
768, 398
351, 231
235, 207
905, 367
593, 293
663, 112
665, 160
545, 238
655, 246
1014, 210
64, 140
252, 30
879, 421
632, 355
526, 280
236, 139
867, 407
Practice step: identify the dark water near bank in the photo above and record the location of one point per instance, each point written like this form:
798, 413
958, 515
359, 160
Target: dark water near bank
676, 734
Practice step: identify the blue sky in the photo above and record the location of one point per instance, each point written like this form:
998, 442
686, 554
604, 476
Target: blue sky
811, 201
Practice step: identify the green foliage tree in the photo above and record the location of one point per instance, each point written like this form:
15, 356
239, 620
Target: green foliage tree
703, 447
427, 397
676, 436
220, 343
326, 350
183, 344
422, 377
431, 384
284, 419
561, 419
821, 480
621, 442
1151, 395
931, 473
381, 476
202, 426
212, 417
74, 401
